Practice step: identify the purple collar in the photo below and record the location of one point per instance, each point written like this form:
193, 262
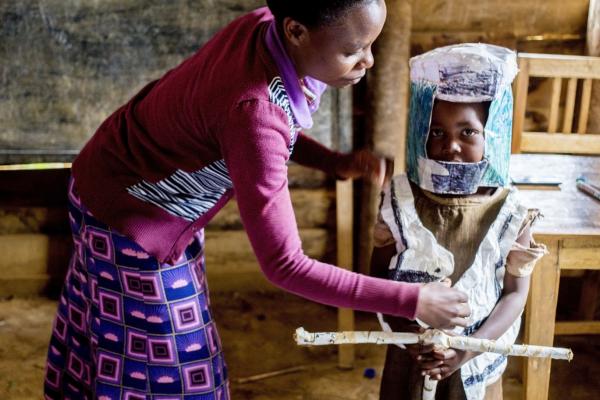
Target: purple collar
301, 107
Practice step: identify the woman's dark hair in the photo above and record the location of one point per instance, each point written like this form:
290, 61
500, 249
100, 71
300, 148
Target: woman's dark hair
312, 13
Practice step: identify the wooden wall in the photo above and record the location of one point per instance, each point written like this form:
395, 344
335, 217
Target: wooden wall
35, 239
521, 25
66, 64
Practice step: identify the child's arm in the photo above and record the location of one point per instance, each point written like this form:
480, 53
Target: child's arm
435, 298
384, 248
512, 302
380, 260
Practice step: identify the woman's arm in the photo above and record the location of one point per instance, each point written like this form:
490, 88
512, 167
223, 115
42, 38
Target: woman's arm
255, 144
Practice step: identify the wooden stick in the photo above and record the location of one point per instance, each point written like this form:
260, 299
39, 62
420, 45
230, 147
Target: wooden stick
344, 218
429, 388
272, 374
431, 336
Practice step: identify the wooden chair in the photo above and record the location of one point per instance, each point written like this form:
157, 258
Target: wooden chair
564, 134
560, 136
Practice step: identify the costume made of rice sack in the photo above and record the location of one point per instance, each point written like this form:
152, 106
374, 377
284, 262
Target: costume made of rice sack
467, 238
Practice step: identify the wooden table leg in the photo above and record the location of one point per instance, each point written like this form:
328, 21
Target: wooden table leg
540, 317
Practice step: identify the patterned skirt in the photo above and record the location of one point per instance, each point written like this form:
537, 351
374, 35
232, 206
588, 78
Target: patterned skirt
128, 327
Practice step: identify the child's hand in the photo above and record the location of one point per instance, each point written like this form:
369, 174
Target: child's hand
443, 362
364, 164
421, 352
417, 351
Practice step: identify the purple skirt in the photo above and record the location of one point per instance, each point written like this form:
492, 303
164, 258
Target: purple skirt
128, 327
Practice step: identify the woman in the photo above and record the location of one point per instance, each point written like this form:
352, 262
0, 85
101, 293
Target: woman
134, 318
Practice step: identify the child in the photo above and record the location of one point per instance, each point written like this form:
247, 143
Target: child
453, 217
134, 319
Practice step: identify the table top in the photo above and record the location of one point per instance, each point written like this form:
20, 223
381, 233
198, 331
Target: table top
567, 212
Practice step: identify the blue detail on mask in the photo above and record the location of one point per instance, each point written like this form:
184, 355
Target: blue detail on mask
462, 177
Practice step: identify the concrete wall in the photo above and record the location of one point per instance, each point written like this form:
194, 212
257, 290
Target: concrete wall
65, 65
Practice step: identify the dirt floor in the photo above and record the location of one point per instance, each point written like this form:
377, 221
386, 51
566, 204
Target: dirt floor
256, 330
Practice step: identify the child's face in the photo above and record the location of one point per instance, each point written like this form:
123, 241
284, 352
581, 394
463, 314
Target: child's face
456, 132
337, 54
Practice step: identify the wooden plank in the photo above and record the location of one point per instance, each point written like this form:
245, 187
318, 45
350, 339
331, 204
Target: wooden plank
593, 29
34, 254
539, 322
572, 273
580, 258
344, 218
245, 277
570, 106
584, 109
48, 220
554, 105
304, 177
345, 247
230, 248
500, 16
581, 242
28, 286
37, 254
577, 328
35, 166
25, 254
232, 266
313, 209
537, 142
562, 66
521, 86
593, 49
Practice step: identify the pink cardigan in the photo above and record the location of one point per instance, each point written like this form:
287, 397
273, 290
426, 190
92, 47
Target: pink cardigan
223, 122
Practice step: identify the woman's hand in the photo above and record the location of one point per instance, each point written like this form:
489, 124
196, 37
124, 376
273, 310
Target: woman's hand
441, 306
364, 164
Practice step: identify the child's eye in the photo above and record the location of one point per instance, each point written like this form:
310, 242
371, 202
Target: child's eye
470, 132
436, 133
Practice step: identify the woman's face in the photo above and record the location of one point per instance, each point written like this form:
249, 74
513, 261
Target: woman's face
457, 132
338, 54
